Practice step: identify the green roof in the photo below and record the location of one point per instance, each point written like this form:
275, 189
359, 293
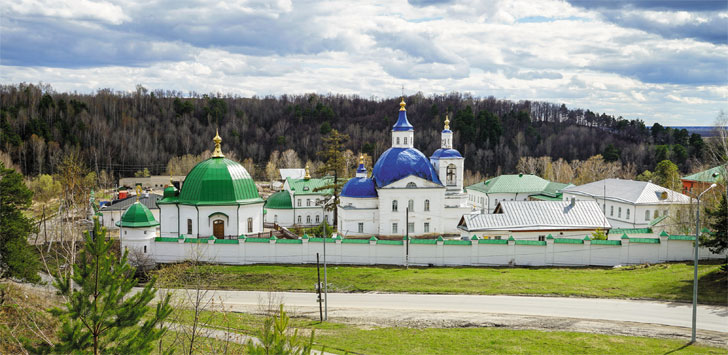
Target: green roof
492, 241
521, 183
218, 181
708, 175
457, 242
681, 237
355, 241
542, 197
423, 241
530, 242
568, 241
280, 200
165, 239
307, 186
137, 216
606, 242
630, 231
645, 240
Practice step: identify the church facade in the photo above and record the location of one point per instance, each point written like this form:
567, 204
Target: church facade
407, 192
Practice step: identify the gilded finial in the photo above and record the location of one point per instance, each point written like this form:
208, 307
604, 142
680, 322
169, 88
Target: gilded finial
361, 158
218, 152
447, 122
308, 174
402, 105
138, 192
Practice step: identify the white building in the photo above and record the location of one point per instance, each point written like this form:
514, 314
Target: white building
628, 203
218, 198
486, 195
406, 189
137, 229
111, 214
535, 220
300, 202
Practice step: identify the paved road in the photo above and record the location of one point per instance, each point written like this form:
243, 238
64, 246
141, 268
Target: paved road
713, 318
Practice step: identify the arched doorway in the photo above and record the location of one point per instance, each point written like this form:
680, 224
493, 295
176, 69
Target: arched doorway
218, 228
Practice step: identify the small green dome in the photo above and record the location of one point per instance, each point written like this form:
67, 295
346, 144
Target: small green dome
218, 181
170, 191
137, 216
280, 200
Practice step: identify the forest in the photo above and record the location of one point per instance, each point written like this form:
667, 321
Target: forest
122, 133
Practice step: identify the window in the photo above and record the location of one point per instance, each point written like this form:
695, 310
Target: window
189, 226
298, 203
308, 202
394, 206
275, 218
410, 227
619, 212
145, 249
628, 213
664, 212
405, 140
308, 219
361, 227
250, 224
647, 215
656, 214
611, 211
299, 219
427, 205
451, 175
411, 185
394, 228
145, 232
541, 238
318, 219
411, 205
124, 232
397, 140
427, 227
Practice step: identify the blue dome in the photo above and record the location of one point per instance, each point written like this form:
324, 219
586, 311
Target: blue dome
443, 153
402, 123
397, 163
360, 187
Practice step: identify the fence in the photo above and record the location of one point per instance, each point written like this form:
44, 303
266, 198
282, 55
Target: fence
475, 252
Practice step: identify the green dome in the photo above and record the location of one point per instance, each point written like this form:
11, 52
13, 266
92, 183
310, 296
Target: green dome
218, 181
170, 191
280, 200
137, 216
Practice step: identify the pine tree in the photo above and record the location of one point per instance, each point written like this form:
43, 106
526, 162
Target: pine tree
334, 163
717, 240
16, 256
100, 315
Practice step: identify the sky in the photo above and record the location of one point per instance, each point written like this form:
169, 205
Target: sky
659, 61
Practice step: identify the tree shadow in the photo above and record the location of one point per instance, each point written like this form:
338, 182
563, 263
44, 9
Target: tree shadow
712, 289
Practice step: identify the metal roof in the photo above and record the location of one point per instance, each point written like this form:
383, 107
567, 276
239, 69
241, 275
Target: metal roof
137, 216
629, 191
309, 186
402, 123
711, 175
445, 153
539, 215
521, 183
218, 181
280, 200
398, 163
149, 201
292, 173
359, 187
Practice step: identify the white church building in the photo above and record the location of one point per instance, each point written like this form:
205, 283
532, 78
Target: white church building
406, 189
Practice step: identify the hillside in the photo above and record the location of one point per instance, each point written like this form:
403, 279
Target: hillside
125, 132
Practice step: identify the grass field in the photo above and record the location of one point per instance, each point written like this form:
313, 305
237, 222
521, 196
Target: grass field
345, 338
670, 281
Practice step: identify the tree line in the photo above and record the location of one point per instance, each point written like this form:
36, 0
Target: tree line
123, 133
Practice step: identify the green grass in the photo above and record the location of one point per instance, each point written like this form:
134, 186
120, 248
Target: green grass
669, 282
342, 338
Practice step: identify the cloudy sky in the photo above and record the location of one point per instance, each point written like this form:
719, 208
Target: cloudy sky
661, 61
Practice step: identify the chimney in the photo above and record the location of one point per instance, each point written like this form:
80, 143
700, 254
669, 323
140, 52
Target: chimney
573, 202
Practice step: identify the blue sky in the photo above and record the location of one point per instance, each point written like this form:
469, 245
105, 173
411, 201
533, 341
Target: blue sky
661, 61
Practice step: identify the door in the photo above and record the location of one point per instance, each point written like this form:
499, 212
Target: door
218, 228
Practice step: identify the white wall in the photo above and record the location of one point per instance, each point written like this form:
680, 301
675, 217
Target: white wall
549, 253
110, 217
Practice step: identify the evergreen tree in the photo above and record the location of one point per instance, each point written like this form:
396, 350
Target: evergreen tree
16, 256
100, 315
334, 163
717, 240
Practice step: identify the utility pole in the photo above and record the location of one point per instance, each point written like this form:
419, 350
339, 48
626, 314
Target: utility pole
406, 238
318, 288
695, 264
326, 283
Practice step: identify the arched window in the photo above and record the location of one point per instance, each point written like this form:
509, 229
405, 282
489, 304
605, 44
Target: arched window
189, 226
611, 211
299, 219
397, 140
394, 206
411, 185
308, 219
647, 215
427, 205
628, 213
250, 224
619, 212
656, 214
411, 205
318, 219
451, 175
